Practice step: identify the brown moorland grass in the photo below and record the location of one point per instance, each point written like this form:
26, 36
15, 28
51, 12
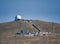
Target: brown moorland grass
8, 32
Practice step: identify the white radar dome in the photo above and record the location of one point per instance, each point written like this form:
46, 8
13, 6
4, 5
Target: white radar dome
19, 17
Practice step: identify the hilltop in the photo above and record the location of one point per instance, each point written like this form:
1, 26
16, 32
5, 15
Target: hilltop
27, 24
11, 28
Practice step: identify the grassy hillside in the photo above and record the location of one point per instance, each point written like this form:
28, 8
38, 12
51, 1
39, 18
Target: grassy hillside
48, 26
8, 31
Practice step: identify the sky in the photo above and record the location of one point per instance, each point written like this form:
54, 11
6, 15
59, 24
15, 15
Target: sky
45, 10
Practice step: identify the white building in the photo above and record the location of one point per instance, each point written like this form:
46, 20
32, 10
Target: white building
18, 17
